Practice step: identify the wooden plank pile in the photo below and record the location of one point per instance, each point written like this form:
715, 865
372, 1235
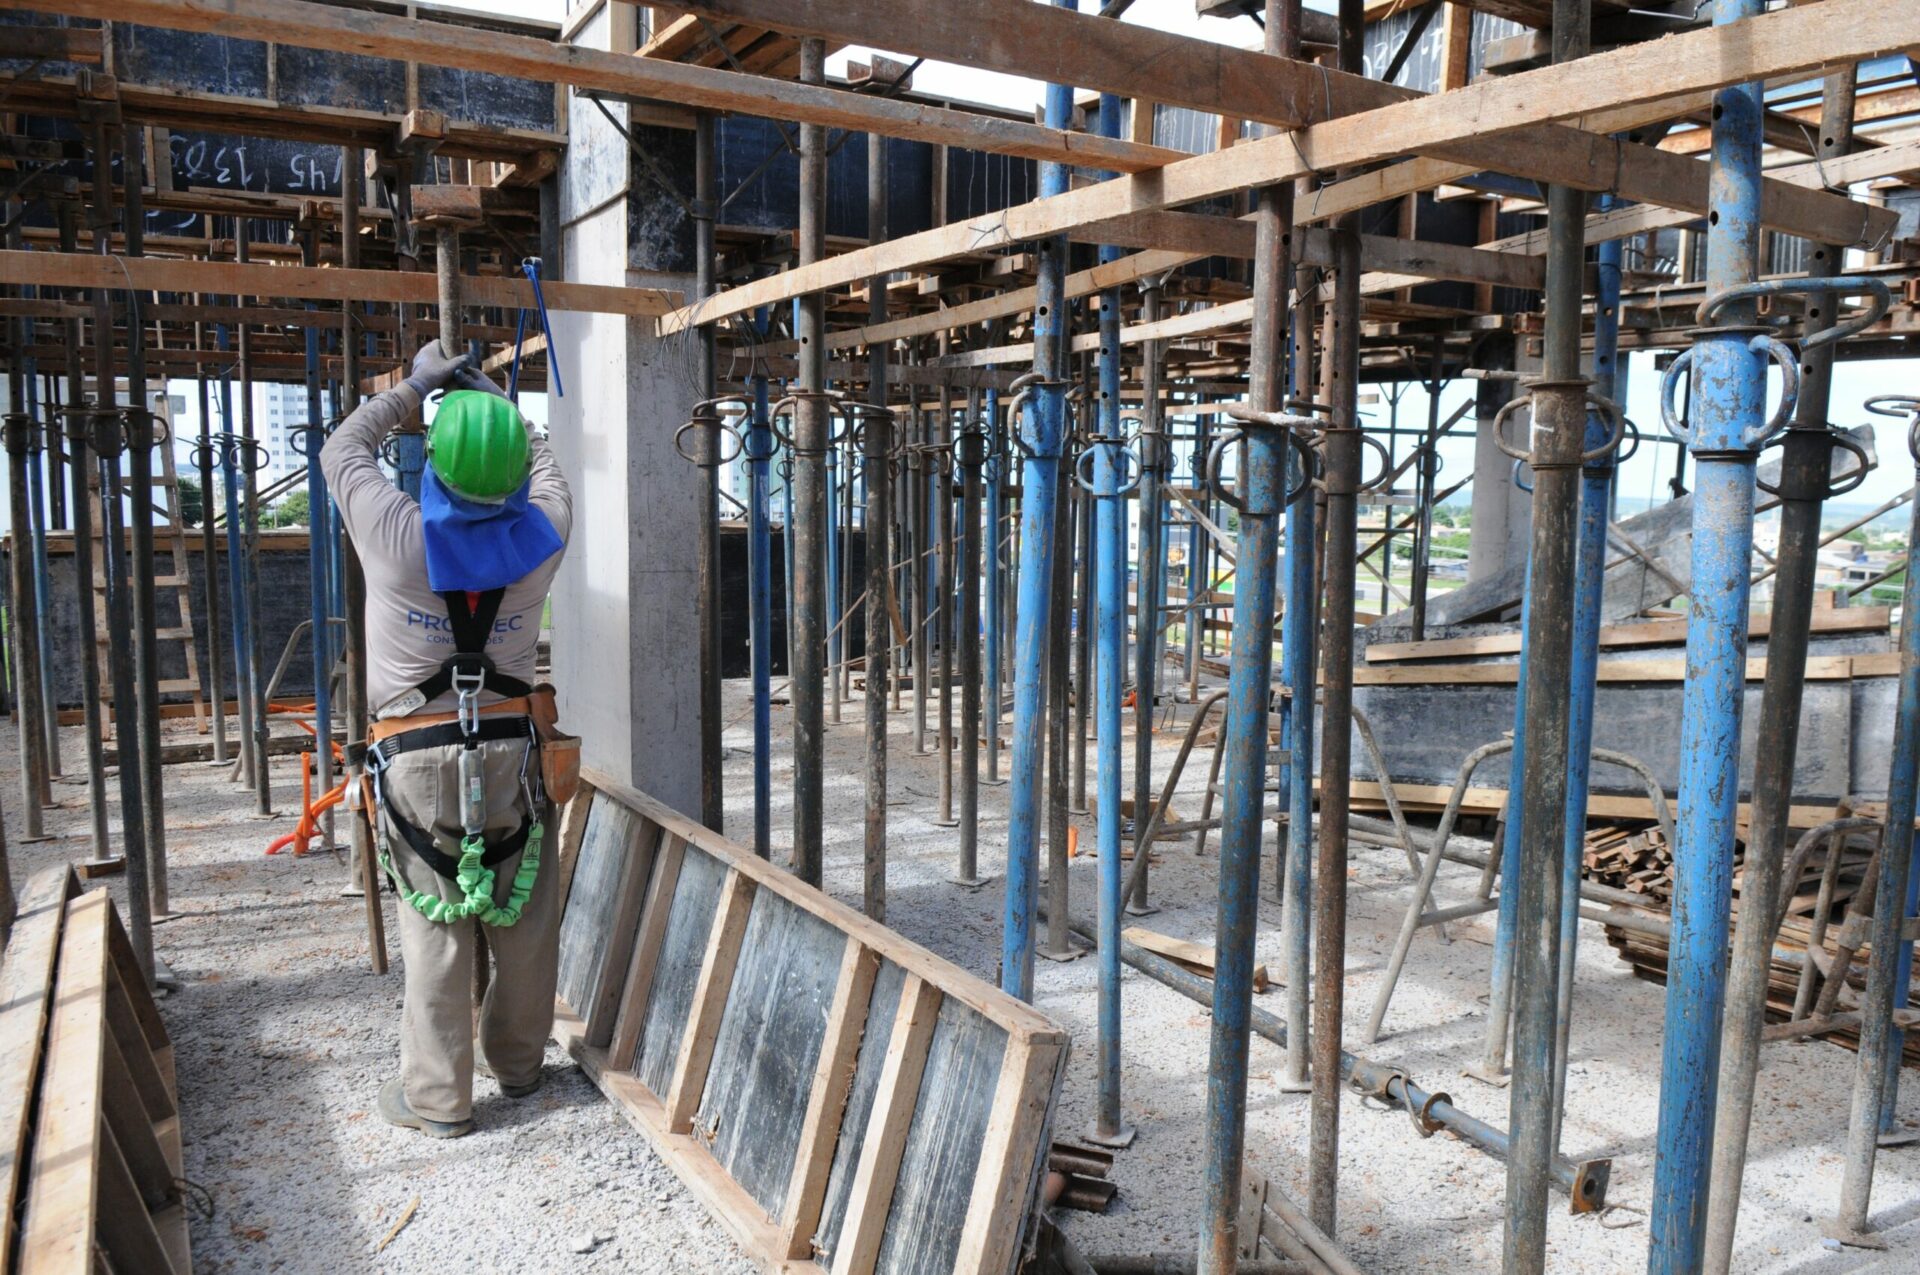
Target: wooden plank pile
840, 1099
1639, 860
89, 1124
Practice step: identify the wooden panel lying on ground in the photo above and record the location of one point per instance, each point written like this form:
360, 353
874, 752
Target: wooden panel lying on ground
840, 1099
103, 1171
26, 1000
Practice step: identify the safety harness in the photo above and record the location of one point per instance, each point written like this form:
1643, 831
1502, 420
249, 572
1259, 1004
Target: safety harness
467, 672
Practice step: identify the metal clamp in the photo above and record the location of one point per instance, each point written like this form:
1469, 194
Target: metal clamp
1879, 301
1607, 408
1292, 424
786, 407
298, 438
861, 414
1898, 405
1126, 459
1023, 386
1835, 438
971, 447
1782, 356
708, 413
1519, 464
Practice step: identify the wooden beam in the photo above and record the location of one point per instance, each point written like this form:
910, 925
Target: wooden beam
1456, 45
227, 278
380, 35
682, 1098
1866, 165
1756, 48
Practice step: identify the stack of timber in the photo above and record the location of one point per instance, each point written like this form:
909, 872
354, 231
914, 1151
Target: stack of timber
1639, 860
838, 1098
89, 1126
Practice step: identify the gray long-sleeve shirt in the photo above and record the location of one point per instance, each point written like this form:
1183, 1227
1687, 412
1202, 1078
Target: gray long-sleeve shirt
408, 637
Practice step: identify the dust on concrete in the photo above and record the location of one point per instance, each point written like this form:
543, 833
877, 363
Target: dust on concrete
282, 1037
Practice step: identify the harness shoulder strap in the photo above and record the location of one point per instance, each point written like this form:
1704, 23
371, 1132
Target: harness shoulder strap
471, 618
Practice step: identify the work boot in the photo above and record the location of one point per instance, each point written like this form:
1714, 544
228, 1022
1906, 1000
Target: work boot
395, 1111
482, 1067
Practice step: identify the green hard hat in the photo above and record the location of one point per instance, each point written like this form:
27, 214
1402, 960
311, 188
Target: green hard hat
478, 446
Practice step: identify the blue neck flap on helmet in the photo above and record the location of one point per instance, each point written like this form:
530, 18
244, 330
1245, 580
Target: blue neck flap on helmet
475, 547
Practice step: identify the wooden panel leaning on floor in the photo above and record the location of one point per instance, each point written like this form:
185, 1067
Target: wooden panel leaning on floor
840, 1099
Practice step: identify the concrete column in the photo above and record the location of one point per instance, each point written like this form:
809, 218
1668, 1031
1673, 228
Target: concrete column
625, 603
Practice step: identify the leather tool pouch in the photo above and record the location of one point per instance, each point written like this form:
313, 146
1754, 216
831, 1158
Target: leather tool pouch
559, 751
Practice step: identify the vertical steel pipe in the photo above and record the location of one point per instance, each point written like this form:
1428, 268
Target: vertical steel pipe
995, 583
1059, 946
706, 205
1879, 1042
1149, 585
1081, 698
970, 451
759, 454
1559, 428
319, 556
46, 442
876, 448
1805, 468
1107, 458
204, 455
1589, 583
943, 562
1249, 687
807, 535
23, 613
108, 425
1728, 397
248, 453
140, 443
1041, 440
359, 825
1299, 645
1342, 459
228, 443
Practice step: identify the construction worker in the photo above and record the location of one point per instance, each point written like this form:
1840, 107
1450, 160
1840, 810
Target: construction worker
465, 763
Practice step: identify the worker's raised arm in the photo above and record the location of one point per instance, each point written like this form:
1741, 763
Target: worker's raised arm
378, 515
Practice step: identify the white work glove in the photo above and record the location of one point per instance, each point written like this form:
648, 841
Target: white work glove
472, 378
434, 368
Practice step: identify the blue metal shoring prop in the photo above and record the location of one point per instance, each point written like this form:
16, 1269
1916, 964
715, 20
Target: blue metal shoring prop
1880, 1045
311, 438
1101, 472
972, 447
1040, 438
230, 457
1589, 579
1728, 426
995, 587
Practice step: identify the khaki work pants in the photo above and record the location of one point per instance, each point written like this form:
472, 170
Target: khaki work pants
516, 1014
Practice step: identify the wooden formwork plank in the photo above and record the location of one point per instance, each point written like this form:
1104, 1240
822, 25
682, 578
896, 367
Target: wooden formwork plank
646, 950
887, 1128
709, 1000
832, 1079
26, 1002
63, 1165
1010, 1160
